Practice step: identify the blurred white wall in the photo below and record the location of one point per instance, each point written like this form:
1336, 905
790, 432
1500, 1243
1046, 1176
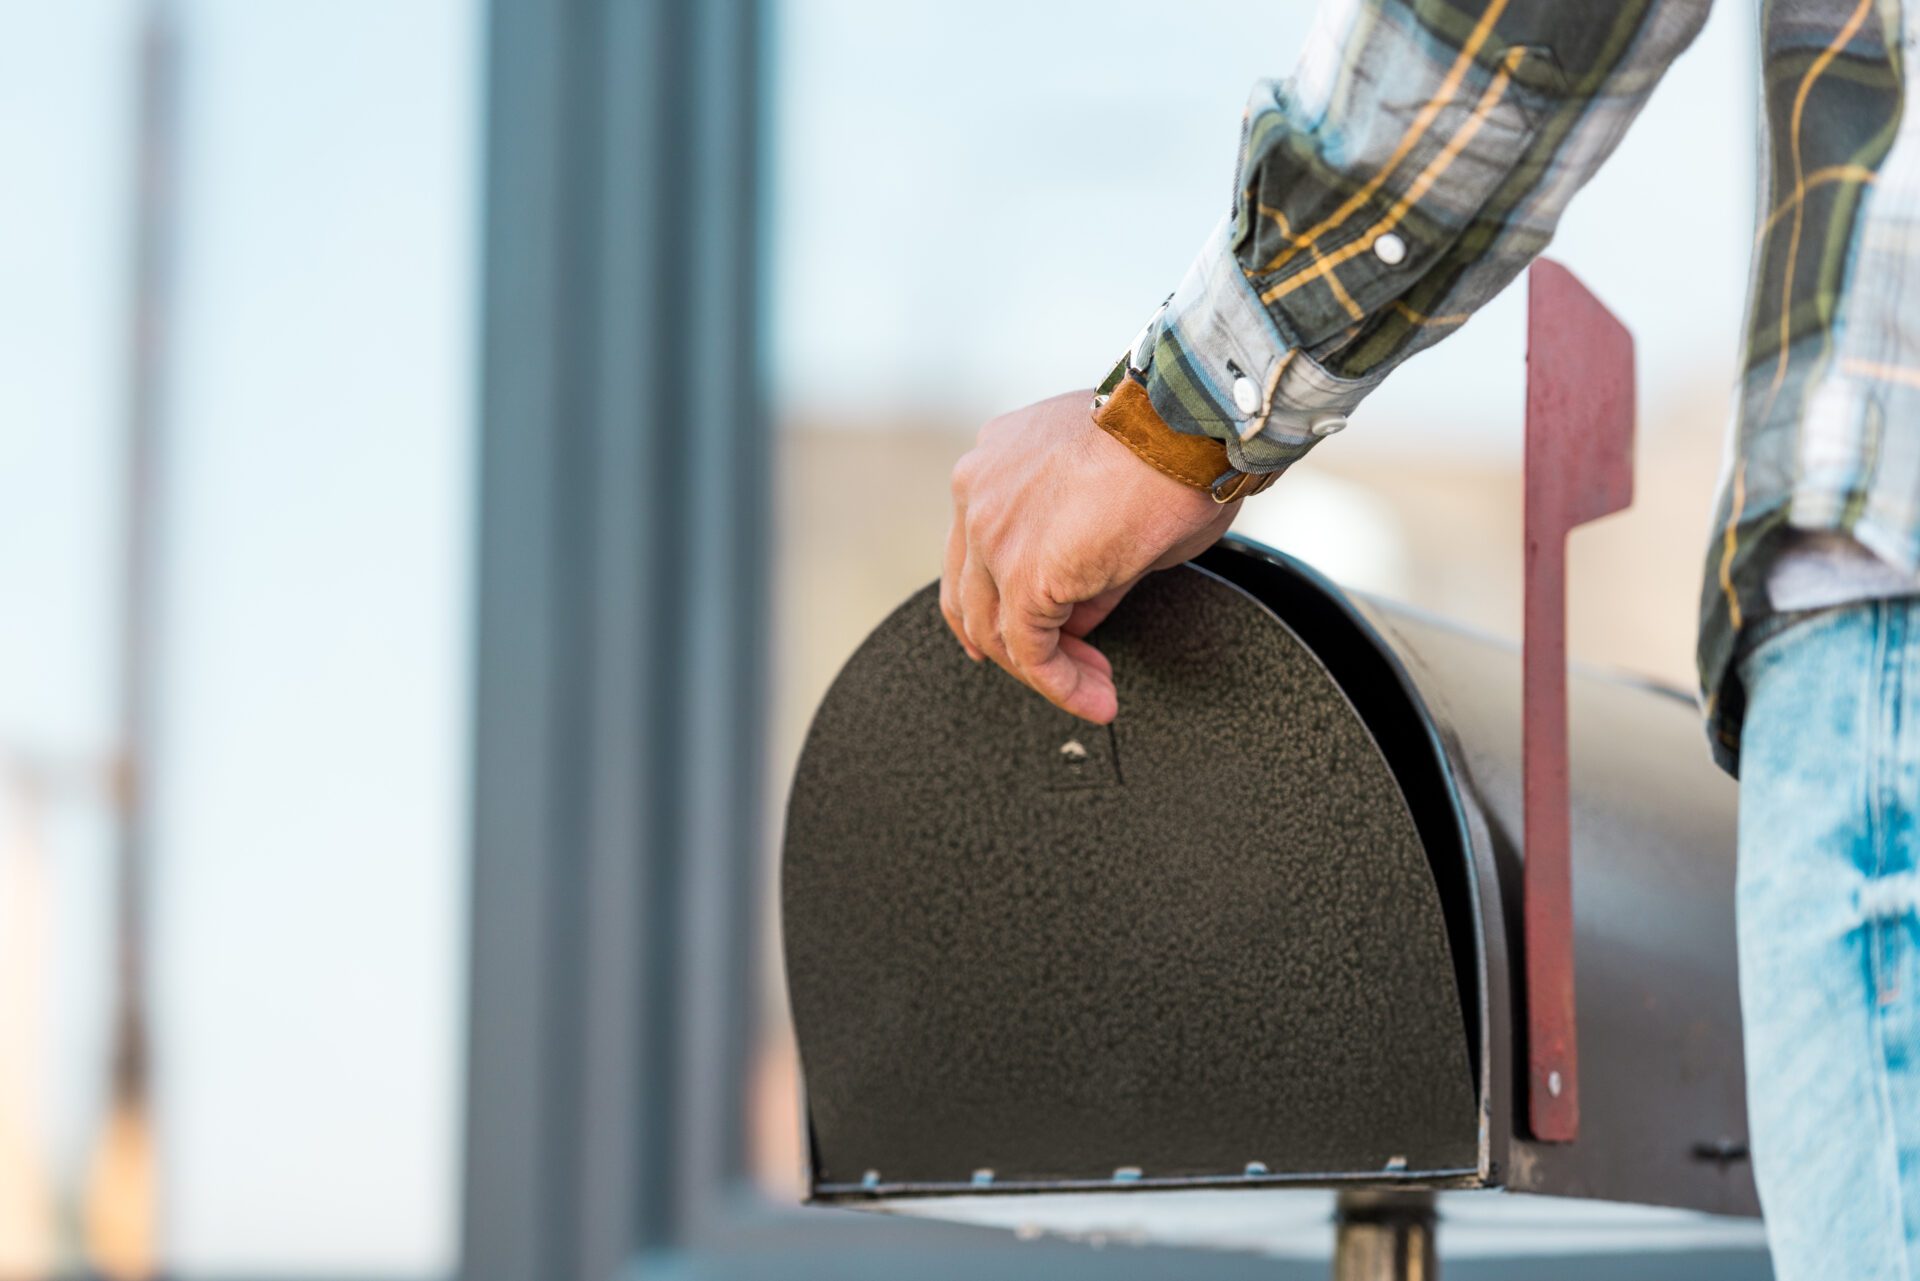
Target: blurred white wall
979, 204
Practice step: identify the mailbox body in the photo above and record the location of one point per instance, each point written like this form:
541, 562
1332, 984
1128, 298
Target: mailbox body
1264, 932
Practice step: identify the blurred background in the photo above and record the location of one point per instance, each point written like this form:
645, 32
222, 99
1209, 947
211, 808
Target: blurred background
446, 450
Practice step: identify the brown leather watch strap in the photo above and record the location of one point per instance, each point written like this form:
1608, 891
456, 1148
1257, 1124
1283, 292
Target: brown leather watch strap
1200, 461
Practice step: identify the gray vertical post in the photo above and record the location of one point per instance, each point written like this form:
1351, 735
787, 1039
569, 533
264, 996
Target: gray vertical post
620, 619
121, 1196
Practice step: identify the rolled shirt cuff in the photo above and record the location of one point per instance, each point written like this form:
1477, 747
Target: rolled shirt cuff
1217, 363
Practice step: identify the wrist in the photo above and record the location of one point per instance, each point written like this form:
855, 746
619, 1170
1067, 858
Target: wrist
1123, 410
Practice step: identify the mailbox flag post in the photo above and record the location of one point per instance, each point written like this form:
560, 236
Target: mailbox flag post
1579, 467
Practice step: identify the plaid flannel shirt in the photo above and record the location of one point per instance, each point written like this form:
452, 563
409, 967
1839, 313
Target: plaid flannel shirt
1420, 156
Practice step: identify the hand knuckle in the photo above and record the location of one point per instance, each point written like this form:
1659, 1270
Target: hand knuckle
1040, 587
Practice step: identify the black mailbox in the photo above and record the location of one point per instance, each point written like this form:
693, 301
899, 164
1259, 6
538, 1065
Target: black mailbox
1262, 930
1263, 933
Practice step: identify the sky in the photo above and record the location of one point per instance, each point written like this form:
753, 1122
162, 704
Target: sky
310, 822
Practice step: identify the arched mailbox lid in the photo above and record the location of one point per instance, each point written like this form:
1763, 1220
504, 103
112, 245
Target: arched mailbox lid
1226, 943
1202, 945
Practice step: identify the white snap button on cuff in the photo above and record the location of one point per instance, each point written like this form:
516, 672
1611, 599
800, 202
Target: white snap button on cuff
1328, 425
1246, 395
1390, 249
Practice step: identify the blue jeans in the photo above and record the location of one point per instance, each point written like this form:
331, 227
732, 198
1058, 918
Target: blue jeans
1829, 949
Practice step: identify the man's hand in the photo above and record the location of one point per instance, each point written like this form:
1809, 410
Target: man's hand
1053, 522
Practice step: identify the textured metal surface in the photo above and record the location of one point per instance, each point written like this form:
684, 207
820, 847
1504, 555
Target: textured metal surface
1203, 943
1651, 824
1579, 468
1663, 1102
1663, 1097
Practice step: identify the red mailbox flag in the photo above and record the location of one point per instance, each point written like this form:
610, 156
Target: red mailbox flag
1579, 467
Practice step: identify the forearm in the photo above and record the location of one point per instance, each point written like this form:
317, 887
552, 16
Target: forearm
1417, 160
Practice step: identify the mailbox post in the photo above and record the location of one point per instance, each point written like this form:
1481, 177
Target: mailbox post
1304, 920
1384, 1237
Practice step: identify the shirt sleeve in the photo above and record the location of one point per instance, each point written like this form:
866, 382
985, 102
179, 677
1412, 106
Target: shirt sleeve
1417, 159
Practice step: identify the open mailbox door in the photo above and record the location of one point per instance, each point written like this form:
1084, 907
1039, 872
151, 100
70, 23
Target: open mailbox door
1267, 932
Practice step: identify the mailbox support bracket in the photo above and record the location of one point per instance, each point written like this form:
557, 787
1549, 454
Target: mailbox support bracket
1579, 467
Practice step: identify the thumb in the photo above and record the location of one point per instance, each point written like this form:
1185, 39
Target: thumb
1065, 670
